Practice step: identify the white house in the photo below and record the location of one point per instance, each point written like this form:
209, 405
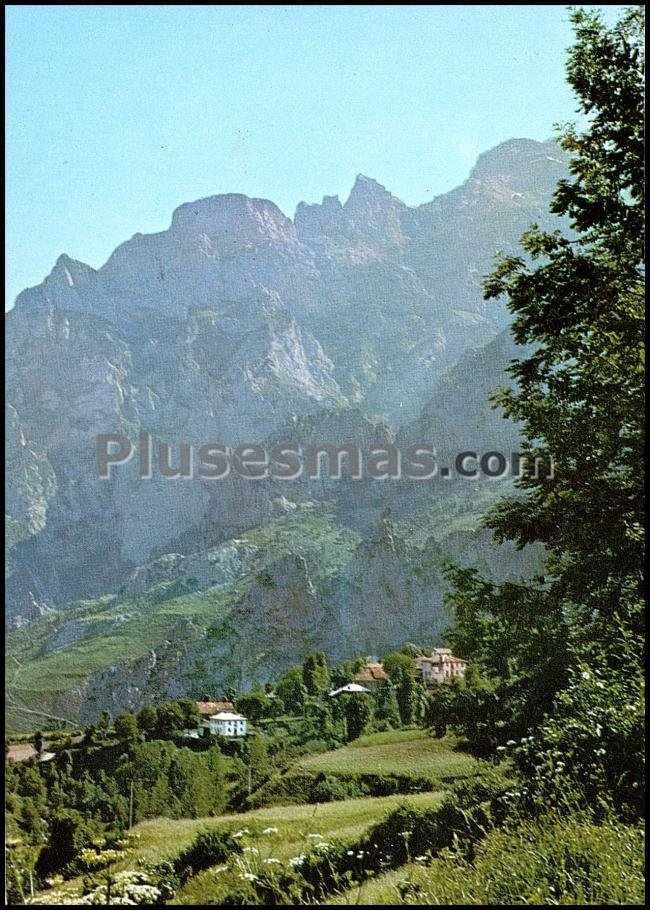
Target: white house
350, 687
226, 723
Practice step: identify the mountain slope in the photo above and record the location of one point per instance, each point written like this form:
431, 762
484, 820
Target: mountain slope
360, 321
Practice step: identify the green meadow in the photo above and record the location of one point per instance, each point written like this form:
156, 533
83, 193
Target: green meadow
409, 751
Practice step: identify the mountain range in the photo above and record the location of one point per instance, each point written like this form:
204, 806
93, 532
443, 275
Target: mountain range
362, 321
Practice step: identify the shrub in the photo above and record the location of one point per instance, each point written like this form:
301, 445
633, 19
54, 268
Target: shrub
69, 835
326, 789
207, 849
552, 861
591, 751
290, 789
128, 887
463, 818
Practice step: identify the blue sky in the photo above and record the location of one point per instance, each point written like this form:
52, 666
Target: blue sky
116, 115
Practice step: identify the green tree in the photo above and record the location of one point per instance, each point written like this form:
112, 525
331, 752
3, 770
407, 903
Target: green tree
255, 705
14, 880
579, 395
292, 692
403, 673
191, 713
258, 760
440, 706
32, 821
358, 714
396, 661
315, 673
38, 742
321, 716
69, 835
147, 719
126, 729
90, 735
386, 706
408, 692
170, 720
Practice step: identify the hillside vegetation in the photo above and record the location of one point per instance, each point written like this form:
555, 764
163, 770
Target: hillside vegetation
408, 752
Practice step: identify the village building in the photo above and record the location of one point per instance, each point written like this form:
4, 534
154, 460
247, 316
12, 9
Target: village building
350, 688
440, 666
208, 708
373, 674
220, 718
227, 723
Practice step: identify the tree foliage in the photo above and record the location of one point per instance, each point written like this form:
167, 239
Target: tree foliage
578, 303
358, 714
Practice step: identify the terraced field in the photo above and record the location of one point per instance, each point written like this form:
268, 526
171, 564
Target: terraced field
409, 752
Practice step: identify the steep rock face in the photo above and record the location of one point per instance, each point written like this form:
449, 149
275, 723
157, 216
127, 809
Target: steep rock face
459, 417
29, 476
231, 326
386, 602
366, 226
130, 686
242, 612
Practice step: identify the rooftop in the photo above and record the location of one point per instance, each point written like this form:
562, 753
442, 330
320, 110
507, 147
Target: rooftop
350, 687
210, 708
372, 672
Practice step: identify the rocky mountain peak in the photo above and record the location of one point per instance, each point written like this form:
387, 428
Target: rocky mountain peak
522, 162
373, 211
367, 189
318, 220
69, 271
234, 216
63, 283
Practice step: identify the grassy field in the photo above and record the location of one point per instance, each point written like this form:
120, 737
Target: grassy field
384, 889
345, 820
547, 862
161, 839
409, 752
